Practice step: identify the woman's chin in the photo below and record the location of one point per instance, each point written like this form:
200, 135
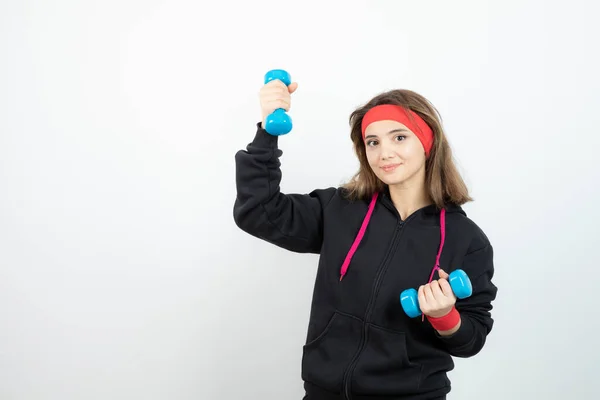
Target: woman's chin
391, 179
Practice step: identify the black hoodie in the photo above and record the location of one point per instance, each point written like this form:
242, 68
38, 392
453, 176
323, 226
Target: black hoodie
360, 343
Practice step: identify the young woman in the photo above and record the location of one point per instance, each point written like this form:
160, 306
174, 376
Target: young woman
398, 224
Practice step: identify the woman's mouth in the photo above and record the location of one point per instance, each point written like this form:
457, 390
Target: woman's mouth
390, 167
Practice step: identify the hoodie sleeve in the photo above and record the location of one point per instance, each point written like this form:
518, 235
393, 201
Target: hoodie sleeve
290, 221
475, 311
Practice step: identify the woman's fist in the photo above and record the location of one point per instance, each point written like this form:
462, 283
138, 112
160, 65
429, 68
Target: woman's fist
436, 298
274, 95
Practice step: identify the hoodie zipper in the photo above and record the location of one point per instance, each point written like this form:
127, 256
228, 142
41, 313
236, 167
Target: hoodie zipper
375, 290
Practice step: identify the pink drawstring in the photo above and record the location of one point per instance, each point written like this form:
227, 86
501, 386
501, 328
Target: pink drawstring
443, 234
439, 254
359, 237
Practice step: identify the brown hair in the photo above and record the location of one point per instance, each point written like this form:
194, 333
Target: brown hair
444, 183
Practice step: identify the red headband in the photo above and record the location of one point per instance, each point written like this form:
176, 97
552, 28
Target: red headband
404, 116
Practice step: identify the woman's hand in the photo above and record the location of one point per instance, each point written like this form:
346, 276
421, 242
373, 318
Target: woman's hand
436, 299
274, 95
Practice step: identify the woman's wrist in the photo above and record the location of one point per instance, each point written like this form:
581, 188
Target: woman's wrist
447, 324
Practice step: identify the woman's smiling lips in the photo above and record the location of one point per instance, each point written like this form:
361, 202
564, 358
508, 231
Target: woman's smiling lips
389, 167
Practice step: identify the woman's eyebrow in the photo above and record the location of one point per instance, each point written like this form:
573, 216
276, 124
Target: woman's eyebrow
396, 130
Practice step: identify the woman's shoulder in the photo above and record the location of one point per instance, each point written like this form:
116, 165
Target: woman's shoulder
465, 226
337, 198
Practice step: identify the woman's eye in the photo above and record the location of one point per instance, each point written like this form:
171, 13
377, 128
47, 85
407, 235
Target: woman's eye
371, 143
400, 137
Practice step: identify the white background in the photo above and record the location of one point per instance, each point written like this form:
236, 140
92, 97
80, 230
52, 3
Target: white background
122, 273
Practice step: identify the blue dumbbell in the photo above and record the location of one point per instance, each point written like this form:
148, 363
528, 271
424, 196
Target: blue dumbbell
459, 282
278, 122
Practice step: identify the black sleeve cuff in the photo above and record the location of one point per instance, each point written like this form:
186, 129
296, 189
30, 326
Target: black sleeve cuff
462, 337
263, 139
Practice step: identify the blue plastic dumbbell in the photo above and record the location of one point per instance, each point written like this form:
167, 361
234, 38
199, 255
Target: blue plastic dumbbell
278, 122
459, 282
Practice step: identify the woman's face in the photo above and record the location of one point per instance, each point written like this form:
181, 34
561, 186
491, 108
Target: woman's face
395, 153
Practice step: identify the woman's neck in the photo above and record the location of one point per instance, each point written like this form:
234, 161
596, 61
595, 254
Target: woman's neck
408, 198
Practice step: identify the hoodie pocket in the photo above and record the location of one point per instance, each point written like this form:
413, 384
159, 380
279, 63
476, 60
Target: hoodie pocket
384, 367
326, 357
